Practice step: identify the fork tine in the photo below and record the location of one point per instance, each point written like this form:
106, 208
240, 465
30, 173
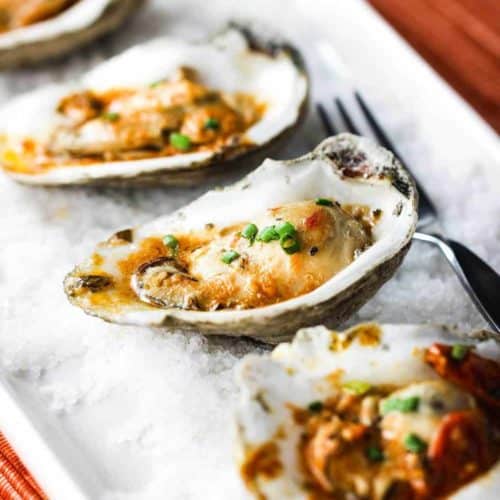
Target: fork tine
326, 121
426, 208
346, 117
376, 127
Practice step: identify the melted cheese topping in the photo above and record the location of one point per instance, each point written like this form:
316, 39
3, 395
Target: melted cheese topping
436, 399
194, 275
262, 273
166, 118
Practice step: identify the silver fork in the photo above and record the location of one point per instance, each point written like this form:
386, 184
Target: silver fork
479, 280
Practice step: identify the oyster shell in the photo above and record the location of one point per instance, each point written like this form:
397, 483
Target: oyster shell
70, 133
347, 169
280, 451
63, 32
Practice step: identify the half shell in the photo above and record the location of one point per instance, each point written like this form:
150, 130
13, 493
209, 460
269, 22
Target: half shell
233, 61
346, 168
78, 25
309, 368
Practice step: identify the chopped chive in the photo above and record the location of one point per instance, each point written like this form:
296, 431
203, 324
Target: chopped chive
459, 351
212, 124
268, 234
406, 405
250, 232
171, 241
289, 244
358, 387
111, 117
414, 444
374, 453
229, 256
286, 229
180, 141
156, 84
325, 202
315, 406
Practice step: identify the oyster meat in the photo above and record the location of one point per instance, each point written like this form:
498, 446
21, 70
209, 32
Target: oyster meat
292, 243
15, 14
34, 30
228, 270
375, 412
183, 113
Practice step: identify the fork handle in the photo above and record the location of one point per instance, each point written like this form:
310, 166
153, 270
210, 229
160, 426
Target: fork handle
479, 280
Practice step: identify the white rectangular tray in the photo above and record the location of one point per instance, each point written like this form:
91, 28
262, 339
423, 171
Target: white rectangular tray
100, 411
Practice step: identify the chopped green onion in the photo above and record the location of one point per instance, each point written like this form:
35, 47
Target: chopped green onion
315, 406
171, 241
156, 84
358, 387
286, 229
212, 124
406, 405
180, 141
250, 232
229, 256
289, 244
414, 444
374, 453
111, 117
459, 351
268, 234
325, 202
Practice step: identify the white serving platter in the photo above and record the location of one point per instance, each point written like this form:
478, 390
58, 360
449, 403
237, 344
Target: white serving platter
98, 411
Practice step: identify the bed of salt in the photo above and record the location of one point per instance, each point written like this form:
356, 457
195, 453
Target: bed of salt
150, 412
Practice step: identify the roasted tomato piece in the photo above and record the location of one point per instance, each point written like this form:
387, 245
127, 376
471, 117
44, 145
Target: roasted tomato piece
477, 375
460, 450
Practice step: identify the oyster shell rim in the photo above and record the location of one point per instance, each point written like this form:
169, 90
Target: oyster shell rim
31, 53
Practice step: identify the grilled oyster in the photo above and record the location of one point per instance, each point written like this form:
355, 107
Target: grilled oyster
291, 244
375, 412
187, 111
34, 30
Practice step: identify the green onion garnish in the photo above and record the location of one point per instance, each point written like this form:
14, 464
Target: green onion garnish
374, 453
315, 406
459, 351
212, 124
406, 405
325, 202
229, 256
268, 234
289, 244
414, 444
155, 84
180, 141
250, 232
111, 117
286, 229
171, 241
358, 387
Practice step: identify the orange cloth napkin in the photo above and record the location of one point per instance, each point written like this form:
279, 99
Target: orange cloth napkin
16, 483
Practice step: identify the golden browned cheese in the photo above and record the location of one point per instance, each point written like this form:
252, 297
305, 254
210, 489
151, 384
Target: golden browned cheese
262, 273
18, 13
137, 123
